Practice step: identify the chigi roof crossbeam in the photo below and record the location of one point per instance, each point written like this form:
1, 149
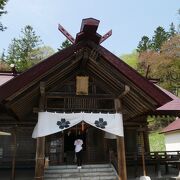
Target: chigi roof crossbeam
88, 31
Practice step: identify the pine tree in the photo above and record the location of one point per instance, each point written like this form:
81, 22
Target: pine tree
160, 36
21, 50
144, 44
2, 4
3, 56
65, 44
172, 30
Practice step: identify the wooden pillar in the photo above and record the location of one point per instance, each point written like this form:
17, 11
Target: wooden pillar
40, 145
142, 153
40, 152
14, 155
120, 148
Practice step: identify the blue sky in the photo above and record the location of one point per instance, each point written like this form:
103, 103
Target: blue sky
128, 19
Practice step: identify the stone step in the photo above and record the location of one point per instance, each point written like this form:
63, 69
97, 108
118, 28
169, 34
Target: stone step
111, 173
85, 178
84, 166
75, 170
88, 172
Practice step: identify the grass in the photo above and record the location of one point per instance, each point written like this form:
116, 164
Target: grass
156, 141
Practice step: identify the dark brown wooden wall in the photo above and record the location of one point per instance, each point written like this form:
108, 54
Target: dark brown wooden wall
25, 149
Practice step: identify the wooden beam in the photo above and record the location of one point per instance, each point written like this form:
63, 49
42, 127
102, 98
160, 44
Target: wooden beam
85, 59
66, 34
120, 147
106, 36
66, 95
94, 54
126, 90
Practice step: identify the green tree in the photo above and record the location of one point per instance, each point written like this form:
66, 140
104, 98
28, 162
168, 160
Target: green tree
21, 50
172, 30
3, 65
131, 59
164, 66
3, 57
160, 36
2, 5
144, 44
41, 53
65, 44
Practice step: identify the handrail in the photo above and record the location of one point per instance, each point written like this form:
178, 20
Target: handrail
161, 156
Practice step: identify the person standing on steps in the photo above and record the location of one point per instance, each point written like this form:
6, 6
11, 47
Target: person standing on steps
78, 150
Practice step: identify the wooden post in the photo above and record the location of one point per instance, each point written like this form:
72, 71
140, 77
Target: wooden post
142, 153
14, 155
40, 149
40, 146
120, 148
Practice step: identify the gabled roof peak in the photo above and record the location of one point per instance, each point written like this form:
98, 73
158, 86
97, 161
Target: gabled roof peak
88, 31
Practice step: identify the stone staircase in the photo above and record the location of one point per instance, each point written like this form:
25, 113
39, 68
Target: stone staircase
88, 172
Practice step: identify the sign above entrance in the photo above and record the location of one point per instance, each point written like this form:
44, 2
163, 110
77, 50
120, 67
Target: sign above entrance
50, 123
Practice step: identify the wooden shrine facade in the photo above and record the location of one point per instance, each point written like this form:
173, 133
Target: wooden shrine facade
111, 86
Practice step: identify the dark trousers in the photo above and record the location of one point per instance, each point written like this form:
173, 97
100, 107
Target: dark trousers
79, 158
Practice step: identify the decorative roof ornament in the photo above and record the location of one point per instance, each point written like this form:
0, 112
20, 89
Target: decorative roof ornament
88, 31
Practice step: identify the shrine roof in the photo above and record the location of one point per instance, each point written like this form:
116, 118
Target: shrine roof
5, 77
86, 55
174, 126
171, 106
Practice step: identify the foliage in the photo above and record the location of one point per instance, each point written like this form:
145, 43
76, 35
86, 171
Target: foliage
172, 30
159, 58
159, 122
160, 36
2, 4
144, 44
22, 50
65, 44
179, 20
156, 141
4, 66
164, 65
41, 53
131, 59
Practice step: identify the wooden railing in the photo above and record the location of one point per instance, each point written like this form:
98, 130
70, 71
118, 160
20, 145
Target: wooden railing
161, 156
151, 158
113, 159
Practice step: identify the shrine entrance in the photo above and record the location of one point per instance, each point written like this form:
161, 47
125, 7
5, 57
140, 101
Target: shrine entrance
60, 146
70, 136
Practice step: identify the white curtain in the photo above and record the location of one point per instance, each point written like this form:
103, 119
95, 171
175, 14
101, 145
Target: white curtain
50, 123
